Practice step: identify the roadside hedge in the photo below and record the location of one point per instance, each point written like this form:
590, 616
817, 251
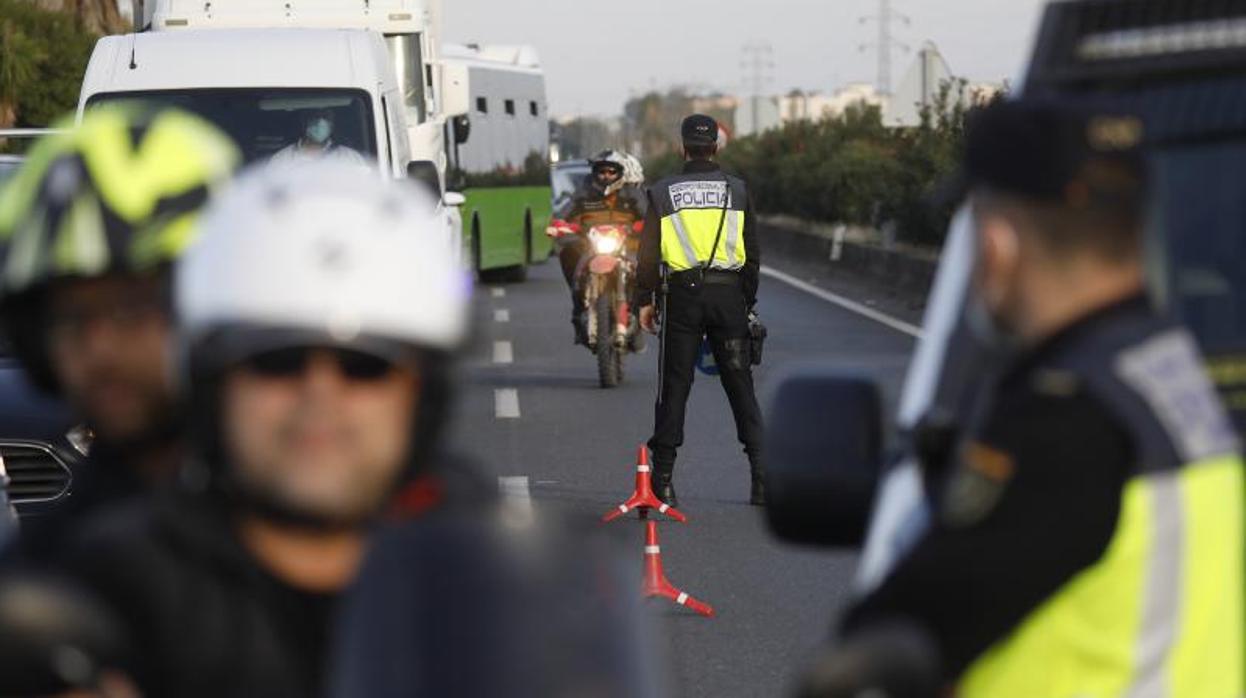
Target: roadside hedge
853, 169
41, 63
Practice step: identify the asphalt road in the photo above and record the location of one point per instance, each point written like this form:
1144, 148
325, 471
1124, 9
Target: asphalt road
534, 414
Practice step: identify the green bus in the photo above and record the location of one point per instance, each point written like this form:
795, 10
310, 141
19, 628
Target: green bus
500, 156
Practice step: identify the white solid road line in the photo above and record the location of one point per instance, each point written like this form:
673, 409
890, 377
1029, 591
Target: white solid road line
503, 352
497, 292
845, 303
502, 315
506, 403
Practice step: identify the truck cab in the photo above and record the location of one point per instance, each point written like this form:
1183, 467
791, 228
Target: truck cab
409, 28
258, 85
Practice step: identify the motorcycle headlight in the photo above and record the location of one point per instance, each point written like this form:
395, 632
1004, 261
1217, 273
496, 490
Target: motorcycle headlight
606, 245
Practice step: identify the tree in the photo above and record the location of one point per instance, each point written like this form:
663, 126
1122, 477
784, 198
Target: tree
96, 16
20, 59
55, 46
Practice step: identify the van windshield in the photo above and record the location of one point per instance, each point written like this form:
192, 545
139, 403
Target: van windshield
267, 121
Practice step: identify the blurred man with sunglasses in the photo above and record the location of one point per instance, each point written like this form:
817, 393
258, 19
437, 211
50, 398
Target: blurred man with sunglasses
315, 331
91, 225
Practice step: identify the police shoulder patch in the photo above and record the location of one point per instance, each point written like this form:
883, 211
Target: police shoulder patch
977, 485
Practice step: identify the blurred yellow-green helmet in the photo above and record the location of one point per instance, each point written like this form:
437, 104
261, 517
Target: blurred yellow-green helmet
118, 193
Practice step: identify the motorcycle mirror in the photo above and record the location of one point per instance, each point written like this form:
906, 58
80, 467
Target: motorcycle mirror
462, 128
824, 457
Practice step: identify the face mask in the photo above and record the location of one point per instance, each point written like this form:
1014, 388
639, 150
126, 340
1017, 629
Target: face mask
319, 131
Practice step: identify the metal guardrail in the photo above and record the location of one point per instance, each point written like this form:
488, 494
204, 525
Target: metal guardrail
29, 132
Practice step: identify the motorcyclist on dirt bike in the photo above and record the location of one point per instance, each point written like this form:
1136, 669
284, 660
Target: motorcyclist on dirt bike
610, 196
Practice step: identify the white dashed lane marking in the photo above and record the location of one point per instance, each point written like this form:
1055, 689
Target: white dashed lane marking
497, 292
503, 352
502, 315
506, 403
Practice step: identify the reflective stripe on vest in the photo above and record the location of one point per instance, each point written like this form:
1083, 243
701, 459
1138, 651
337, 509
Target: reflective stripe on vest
689, 229
1158, 616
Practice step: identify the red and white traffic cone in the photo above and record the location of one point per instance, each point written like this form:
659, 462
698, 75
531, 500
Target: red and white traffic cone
656, 583
643, 498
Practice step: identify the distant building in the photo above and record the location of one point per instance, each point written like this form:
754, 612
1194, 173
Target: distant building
921, 85
761, 114
757, 114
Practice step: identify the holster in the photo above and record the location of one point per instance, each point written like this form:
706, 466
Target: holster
757, 339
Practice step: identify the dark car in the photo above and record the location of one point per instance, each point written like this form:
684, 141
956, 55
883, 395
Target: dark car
39, 442
566, 178
8, 167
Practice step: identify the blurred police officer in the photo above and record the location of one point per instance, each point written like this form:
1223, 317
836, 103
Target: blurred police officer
700, 229
315, 390
1087, 539
92, 223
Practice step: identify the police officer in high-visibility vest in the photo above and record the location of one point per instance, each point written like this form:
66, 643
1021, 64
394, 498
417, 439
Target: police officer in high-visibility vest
1086, 536
700, 228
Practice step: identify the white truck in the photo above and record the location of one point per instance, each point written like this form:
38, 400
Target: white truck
259, 85
262, 86
437, 97
410, 30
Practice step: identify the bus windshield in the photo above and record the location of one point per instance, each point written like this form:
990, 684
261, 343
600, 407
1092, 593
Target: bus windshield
264, 121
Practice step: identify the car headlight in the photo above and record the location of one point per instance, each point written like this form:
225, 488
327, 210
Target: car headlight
81, 437
606, 245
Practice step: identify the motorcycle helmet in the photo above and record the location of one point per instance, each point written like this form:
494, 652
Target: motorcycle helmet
609, 160
633, 171
318, 254
118, 194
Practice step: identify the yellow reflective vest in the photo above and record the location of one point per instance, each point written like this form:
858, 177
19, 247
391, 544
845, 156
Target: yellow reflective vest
691, 207
1161, 613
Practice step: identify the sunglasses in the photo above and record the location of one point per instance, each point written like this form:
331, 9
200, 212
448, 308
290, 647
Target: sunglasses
293, 363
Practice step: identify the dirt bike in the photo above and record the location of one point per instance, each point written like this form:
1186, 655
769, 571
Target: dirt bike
605, 277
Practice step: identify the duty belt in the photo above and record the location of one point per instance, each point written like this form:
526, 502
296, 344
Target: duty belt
697, 277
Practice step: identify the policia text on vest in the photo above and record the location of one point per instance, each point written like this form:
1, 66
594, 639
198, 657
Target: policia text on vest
710, 291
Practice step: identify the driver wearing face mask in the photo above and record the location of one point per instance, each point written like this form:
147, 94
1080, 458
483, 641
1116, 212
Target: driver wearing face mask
316, 142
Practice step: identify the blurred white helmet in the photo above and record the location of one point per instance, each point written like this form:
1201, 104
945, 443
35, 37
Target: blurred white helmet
328, 250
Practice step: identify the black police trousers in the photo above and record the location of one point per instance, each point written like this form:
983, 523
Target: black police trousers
570, 255
716, 310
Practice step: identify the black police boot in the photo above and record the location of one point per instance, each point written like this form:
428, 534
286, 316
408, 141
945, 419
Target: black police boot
757, 493
666, 489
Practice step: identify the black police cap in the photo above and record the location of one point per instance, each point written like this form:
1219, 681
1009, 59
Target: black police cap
700, 130
1056, 153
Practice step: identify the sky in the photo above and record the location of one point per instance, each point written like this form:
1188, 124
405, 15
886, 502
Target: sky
597, 53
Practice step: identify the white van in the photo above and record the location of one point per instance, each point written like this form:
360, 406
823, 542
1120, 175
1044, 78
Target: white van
259, 85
